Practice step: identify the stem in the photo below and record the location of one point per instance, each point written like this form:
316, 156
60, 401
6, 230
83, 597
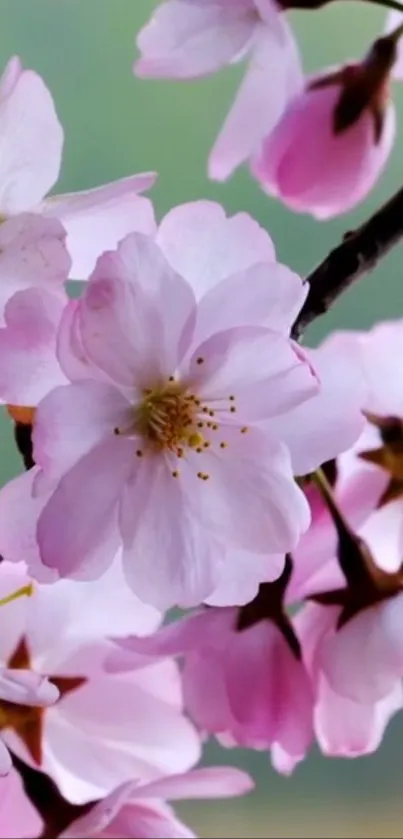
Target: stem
359, 253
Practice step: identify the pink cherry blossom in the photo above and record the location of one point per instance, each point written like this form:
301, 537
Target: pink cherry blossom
135, 469
186, 39
139, 809
312, 167
344, 726
32, 142
18, 817
245, 685
104, 727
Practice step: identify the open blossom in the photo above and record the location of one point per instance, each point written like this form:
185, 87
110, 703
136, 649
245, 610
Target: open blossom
331, 144
186, 39
135, 809
31, 143
168, 450
103, 728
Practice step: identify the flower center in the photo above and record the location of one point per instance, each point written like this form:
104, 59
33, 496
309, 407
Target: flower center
167, 418
171, 418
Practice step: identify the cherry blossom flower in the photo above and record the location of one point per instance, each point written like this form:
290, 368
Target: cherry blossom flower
32, 142
173, 413
331, 144
104, 727
243, 677
138, 809
344, 727
186, 39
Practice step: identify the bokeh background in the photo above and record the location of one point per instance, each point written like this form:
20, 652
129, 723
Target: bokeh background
116, 125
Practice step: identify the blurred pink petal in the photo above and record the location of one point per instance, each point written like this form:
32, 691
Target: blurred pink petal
18, 818
105, 727
97, 219
185, 40
259, 103
32, 253
31, 139
29, 366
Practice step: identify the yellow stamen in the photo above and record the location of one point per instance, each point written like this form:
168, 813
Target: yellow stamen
24, 591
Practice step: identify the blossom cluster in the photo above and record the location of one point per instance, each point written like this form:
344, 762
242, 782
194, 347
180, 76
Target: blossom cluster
183, 449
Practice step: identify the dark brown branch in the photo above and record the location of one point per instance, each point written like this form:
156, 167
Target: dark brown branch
359, 253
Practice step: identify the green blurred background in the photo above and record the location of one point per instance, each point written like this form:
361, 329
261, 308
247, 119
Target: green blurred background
116, 125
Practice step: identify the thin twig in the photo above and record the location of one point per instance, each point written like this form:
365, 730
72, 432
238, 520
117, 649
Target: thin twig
359, 253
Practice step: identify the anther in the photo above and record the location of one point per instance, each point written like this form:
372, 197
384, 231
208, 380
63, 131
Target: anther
201, 424
206, 444
231, 398
179, 452
171, 379
211, 413
232, 409
214, 426
199, 450
205, 477
244, 429
200, 360
175, 473
223, 445
116, 431
139, 453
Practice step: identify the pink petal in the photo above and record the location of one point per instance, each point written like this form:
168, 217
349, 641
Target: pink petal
258, 104
266, 295
25, 687
19, 512
373, 638
117, 817
241, 575
261, 368
320, 428
31, 140
184, 40
393, 20
251, 500
168, 557
29, 368
348, 729
73, 419
76, 529
32, 253
377, 348
10, 76
209, 782
205, 246
71, 354
18, 817
97, 219
134, 312
146, 736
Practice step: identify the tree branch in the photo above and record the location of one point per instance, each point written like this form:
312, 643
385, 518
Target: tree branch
359, 253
